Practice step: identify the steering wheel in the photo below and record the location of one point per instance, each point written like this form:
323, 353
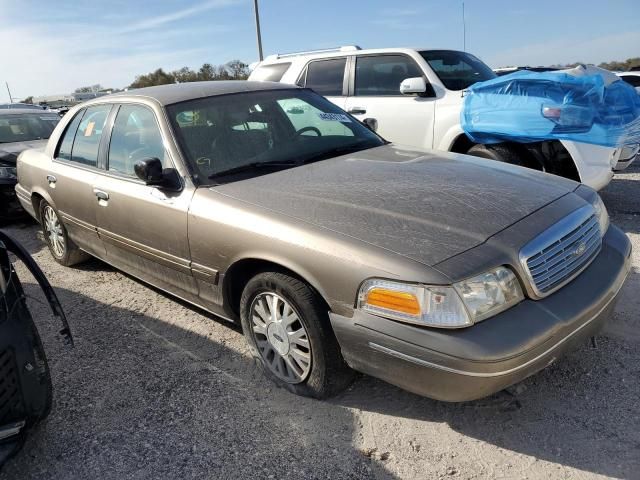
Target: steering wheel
308, 129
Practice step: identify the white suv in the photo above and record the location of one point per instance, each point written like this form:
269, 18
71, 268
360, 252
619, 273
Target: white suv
415, 98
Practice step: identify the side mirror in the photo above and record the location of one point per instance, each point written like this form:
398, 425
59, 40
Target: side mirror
371, 124
410, 86
149, 170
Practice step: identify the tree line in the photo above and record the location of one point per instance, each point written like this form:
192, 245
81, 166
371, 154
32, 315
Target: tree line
233, 70
615, 66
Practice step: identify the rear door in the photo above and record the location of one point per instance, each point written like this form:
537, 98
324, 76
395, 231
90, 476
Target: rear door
327, 77
375, 93
72, 175
144, 228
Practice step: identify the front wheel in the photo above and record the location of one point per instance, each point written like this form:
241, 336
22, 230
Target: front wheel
505, 154
287, 328
62, 248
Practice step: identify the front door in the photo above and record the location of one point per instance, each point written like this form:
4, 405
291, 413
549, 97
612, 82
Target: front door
144, 228
402, 119
72, 175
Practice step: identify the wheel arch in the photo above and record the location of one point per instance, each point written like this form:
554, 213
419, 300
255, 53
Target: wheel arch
243, 269
37, 196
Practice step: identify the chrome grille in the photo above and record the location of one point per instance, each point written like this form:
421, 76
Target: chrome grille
560, 253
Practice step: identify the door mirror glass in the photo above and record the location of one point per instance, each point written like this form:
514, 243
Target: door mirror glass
371, 124
410, 86
149, 170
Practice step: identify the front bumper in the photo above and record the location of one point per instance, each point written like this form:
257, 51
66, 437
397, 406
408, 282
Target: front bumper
628, 155
471, 363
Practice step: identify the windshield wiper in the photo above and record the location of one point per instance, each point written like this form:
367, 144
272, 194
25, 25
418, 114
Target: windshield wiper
251, 166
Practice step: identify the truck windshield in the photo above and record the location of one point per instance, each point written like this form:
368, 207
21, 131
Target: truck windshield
457, 70
253, 133
23, 127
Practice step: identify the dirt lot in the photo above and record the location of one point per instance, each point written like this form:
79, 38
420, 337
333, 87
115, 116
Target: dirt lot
158, 389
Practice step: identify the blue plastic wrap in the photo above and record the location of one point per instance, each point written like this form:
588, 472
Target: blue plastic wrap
528, 106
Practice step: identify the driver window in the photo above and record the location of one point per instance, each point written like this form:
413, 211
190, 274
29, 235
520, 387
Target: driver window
382, 75
135, 136
310, 121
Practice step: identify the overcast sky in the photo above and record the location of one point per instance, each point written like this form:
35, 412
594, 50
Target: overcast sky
54, 47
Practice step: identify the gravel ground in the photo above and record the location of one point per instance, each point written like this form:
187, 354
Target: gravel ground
156, 388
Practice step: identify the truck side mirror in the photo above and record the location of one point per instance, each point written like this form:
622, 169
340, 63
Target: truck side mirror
416, 85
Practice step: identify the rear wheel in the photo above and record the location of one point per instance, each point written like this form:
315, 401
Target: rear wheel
62, 248
287, 328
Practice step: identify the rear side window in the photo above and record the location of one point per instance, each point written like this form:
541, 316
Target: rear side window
326, 76
633, 80
382, 75
270, 73
64, 150
87, 141
135, 136
86, 137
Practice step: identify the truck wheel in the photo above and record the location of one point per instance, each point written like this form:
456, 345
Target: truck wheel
288, 331
62, 248
500, 153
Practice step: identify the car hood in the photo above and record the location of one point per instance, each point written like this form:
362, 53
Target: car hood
428, 206
9, 151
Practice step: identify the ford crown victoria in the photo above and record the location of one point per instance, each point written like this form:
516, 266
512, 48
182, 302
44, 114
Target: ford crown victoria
266, 204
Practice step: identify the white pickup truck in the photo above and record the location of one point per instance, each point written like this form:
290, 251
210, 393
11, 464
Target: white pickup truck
414, 97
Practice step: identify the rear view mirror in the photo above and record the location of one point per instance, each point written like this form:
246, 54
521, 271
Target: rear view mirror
149, 170
410, 86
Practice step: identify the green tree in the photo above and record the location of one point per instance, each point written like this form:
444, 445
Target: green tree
157, 77
207, 72
184, 75
238, 70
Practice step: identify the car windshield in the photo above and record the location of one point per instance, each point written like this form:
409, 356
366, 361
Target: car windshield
22, 127
254, 132
457, 70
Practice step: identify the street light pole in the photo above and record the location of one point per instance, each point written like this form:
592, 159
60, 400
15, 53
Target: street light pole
255, 9
10, 97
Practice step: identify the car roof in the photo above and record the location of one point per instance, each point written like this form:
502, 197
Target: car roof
32, 111
180, 92
340, 52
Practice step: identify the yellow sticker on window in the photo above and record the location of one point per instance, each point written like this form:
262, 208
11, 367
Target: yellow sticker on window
89, 130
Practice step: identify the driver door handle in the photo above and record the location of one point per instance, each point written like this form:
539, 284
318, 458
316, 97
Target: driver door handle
101, 195
357, 110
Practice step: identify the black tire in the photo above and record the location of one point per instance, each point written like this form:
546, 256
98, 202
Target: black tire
501, 153
70, 254
329, 374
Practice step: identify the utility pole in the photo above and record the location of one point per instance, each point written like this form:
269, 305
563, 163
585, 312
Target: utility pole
255, 9
10, 97
464, 31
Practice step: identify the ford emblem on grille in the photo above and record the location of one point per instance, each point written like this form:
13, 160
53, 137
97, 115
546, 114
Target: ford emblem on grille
580, 249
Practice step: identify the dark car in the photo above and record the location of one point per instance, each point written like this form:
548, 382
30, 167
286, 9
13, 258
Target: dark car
25, 383
19, 129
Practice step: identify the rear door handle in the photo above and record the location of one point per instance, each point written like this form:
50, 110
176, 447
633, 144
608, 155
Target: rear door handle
357, 110
101, 195
51, 179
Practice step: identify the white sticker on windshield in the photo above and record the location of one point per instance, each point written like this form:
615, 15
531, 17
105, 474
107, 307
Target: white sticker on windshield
334, 117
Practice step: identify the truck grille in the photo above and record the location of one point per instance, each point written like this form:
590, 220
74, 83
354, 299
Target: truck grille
10, 398
560, 253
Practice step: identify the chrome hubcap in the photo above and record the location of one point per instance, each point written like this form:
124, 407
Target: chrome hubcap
281, 338
53, 231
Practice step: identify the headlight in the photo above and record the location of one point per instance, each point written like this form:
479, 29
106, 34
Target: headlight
490, 293
601, 213
8, 172
460, 305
